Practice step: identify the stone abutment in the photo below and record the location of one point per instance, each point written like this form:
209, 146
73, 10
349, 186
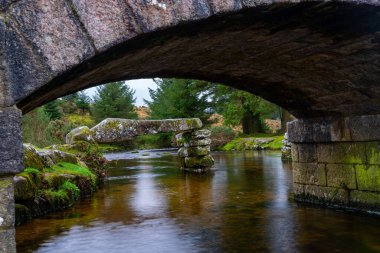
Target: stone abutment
336, 161
10, 164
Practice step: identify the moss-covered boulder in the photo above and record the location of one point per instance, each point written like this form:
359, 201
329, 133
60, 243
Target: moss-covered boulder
25, 187
82, 133
32, 159
199, 162
57, 156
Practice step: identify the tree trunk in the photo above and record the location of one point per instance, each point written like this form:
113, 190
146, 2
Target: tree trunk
251, 123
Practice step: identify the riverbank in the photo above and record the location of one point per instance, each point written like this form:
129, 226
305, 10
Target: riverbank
56, 177
259, 142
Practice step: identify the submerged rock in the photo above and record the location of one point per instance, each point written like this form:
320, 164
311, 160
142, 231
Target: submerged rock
199, 162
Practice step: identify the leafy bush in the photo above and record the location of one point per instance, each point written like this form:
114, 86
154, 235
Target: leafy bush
220, 135
151, 141
255, 143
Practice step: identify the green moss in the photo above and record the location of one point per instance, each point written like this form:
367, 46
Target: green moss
104, 148
32, 171
276, 144
72, 189
199, 162
28, 190
373, 153
80, 120
73, 169
57, 199
368, 177
32, 159
5, 182
251, 143
112, 124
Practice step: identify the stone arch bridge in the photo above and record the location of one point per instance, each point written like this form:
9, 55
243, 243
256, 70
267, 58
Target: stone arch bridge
194, 142
320, 60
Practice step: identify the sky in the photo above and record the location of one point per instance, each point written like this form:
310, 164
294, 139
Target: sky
140, 86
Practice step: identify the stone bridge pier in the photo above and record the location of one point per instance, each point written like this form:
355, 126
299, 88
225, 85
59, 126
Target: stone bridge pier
10, 164
336, 161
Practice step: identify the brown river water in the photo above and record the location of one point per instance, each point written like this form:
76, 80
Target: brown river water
244, 205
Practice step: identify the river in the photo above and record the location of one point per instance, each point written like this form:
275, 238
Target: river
243, 205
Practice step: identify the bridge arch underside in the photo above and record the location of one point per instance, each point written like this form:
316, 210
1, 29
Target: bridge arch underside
319, 60
313, 58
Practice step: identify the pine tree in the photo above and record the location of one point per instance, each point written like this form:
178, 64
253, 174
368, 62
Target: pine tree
114, 100
177, 98
51, 109
82, 101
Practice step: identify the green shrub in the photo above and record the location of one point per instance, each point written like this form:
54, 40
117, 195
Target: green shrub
151, 141
72, 189
220, 136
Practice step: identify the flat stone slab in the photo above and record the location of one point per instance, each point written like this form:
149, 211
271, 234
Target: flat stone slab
118, 130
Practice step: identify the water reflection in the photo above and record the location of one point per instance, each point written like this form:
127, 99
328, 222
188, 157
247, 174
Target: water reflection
243, 206
148, 199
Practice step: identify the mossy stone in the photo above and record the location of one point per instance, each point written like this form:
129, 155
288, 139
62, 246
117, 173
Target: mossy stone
32, 159
195, 162
82, 133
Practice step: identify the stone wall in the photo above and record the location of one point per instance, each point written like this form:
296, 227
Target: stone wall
194, 152
337, 161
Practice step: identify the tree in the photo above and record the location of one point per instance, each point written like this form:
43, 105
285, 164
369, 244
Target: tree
82, 101
34, 126
114, 100
240, 107
51, 109
178, 98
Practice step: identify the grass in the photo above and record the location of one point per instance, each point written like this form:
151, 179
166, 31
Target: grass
250, 143
72, 169
276, 144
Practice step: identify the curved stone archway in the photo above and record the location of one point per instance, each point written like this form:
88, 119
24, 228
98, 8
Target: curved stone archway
320, 60
313, 58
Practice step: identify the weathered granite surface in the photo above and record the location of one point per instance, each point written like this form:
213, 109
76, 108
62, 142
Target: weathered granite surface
119, 130
194, 152
314, 58
8, 240
10, 141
